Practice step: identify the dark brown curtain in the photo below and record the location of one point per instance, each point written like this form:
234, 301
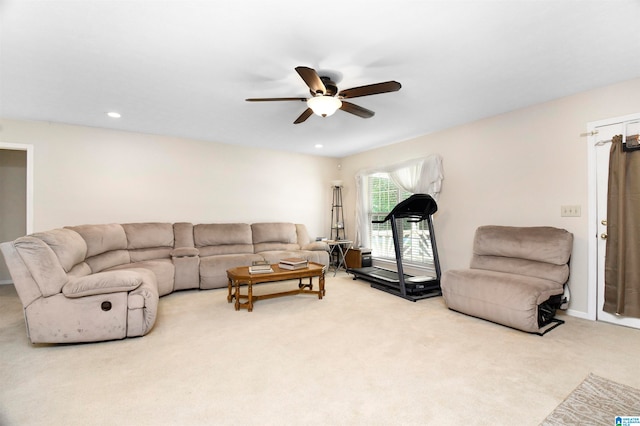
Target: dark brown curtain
622, 259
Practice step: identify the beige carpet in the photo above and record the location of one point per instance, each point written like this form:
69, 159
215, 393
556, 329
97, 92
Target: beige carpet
358, 357
597, 401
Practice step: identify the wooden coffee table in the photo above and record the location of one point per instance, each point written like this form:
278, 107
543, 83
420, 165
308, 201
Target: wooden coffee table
240, 276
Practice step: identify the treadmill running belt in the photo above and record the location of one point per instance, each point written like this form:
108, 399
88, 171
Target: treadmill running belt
386, 275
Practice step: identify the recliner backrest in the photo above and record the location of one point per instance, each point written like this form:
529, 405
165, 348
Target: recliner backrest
542, 251
42, 264
106, 245
274, 236
222, 238
68, 245
150, 240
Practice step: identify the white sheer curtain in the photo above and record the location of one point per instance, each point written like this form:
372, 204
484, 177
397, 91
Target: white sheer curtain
362, 201
418, 176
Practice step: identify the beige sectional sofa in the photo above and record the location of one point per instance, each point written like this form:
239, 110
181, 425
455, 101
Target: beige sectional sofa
102, 282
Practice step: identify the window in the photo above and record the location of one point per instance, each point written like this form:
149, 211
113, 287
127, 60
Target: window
378, 191
415, 243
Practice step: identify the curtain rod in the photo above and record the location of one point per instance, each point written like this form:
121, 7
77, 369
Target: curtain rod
596, 131
606, 141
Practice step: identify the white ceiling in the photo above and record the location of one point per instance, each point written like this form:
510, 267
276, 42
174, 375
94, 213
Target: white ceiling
184, 68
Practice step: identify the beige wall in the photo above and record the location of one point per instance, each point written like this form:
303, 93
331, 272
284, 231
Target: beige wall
88, 175
515, 169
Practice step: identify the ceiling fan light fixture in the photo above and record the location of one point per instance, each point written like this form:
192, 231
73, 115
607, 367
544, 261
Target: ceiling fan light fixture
324, 105
327, 99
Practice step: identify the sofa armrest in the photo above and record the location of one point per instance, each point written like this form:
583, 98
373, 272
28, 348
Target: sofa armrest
316, 246
186, 261
185, 252
102, 283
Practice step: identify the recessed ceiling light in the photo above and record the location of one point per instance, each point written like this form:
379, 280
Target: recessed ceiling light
114, 114
318, 145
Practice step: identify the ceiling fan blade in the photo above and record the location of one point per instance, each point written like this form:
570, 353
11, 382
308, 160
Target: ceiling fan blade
275, 99
312, 79
306, 114
370, 89
356, 110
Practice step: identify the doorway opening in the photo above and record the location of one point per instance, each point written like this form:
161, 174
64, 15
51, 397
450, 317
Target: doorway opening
16, 196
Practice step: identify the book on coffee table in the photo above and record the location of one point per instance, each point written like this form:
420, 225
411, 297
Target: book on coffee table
294, 260
260, 269
293, 263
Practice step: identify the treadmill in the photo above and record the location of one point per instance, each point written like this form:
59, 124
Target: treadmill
416, 208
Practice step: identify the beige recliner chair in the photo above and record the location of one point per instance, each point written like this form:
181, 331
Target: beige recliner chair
516, 277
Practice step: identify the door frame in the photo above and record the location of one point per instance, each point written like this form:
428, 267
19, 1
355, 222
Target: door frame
592, 139
29, 149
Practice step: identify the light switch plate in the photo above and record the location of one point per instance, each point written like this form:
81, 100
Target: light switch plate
570, 211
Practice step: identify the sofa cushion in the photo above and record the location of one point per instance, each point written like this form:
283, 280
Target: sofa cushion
80, 270
264, 247
102, 238
183, 234
185, 252
508, 299
274, 233
213, 269
148, 241
162, 269
302, 235
148, 235
275, 256
102, 283
531, 268
223, 238
274, 236
316, 246
141, 255
108, 260
538, 243
42, 263
214, 234
25, 285
68, 245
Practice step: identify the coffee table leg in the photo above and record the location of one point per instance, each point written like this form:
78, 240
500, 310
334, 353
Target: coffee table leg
237, 285
321, 286
302, 285
229, 296
250, 291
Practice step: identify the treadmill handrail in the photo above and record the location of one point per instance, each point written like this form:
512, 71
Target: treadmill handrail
417, 207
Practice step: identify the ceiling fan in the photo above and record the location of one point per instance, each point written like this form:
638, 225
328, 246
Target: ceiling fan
326, 99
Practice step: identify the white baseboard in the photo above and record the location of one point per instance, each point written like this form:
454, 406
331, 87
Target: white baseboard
578, 314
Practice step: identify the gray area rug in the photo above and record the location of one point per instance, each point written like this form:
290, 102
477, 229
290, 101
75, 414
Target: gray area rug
596, 401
